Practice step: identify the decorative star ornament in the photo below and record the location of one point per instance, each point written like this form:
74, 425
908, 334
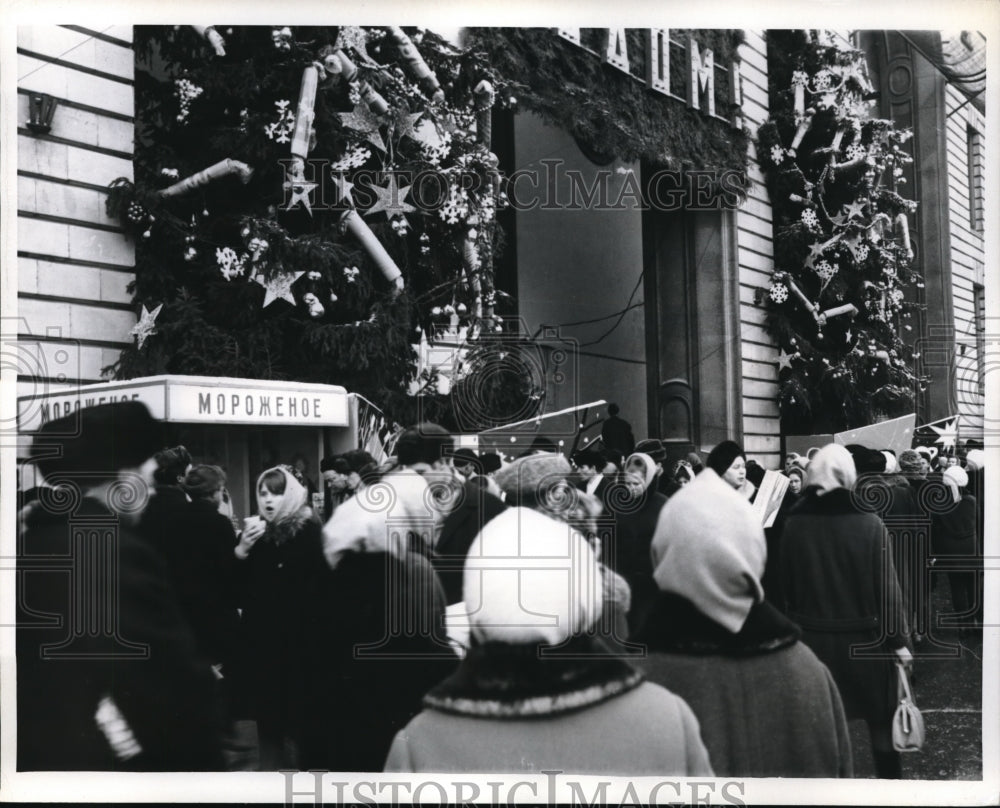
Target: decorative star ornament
145, 328
406, 122
280, 286
815, 252
300, 193
426, 134
840, 220
855, 208
947, 434
364, 121
784, 361
344, 187
391, 199
355, 38
848, 335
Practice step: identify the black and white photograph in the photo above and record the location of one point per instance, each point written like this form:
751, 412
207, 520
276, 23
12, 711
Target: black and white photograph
407, 404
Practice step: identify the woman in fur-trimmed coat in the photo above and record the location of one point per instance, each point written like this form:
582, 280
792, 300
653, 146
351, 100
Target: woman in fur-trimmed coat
840, 585
538, 694
281, 573
766, 705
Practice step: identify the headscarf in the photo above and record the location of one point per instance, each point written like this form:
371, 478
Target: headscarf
975, 459
723, 455
709, 548
295, 498
529, 578
832, 468
646, 464
956, 478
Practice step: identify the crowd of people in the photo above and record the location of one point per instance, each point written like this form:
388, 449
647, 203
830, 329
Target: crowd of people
447, 611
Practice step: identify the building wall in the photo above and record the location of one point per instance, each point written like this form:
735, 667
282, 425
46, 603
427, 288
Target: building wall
575, 265
967, 256
74, 263
761, 424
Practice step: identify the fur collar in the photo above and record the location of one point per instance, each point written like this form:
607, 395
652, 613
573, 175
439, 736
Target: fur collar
833, 503
280, 532
498, 680
674, 624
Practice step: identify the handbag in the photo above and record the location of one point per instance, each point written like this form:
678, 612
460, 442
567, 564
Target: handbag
907, 722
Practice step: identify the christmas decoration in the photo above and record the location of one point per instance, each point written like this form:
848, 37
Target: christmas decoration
213, 37
280, 130
221, 169
305, 118
278, 287
145, 328
840, 278
418, 67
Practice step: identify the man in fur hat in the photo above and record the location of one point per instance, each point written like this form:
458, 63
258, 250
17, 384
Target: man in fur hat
138, 697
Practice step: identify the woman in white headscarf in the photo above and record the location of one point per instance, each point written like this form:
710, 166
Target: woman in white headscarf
282, 574
840, 586
537, 690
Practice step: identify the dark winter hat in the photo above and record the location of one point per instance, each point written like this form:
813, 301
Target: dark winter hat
588, 457
866, 461
654, 448
491, 462
909, 462
465, 457
696, 463
99, 441
424, 443
203, 481
723, 455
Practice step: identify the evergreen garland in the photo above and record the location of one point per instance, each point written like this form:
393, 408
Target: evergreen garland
199, 253
613, 113
835, 178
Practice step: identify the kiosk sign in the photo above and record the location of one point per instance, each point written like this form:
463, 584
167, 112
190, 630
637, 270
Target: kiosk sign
198, 399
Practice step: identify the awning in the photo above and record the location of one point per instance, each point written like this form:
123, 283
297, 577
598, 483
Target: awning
200, 399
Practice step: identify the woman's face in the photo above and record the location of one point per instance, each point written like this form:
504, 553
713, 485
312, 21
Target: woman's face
269, 503
736, 474
795, 483
925, 466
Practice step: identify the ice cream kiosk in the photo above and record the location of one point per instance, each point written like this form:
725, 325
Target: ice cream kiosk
242, 425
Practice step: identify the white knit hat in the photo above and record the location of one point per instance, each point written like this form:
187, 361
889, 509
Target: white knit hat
976, 458
529, 578
709, 547
891, 463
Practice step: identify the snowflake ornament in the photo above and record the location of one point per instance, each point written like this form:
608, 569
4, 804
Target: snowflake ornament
280, 131
353, 158
861, 252
823, 81
230, 264
456, 206
855, 151
779, 293
351, 274
826, 270
777, 155
810, 219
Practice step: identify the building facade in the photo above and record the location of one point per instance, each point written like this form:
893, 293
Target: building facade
649, 306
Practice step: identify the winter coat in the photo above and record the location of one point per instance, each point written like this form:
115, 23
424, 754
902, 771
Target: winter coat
477, 507
280, 589
954, 532
70, 694
381, 649
510, 709
197, 542
766, 705
629, 554
840, 586
617, 434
